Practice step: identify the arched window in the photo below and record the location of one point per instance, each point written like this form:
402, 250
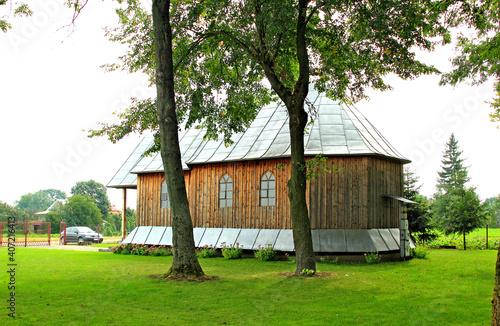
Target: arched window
226, 191
268, 190
164, 200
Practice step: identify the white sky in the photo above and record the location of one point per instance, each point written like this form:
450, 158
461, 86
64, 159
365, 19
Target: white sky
52, 88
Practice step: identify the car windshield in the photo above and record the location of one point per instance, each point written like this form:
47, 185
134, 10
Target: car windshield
85, 230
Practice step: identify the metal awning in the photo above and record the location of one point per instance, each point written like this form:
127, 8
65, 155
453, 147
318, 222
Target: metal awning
401, 199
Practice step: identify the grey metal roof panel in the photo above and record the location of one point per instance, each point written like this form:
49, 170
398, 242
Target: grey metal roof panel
337, 130
122, 178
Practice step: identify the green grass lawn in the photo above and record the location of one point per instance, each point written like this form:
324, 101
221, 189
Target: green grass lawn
55, 287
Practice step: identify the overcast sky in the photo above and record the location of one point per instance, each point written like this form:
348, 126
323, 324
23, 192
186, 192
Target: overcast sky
52, 88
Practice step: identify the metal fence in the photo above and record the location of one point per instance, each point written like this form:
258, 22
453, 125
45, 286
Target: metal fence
24, 234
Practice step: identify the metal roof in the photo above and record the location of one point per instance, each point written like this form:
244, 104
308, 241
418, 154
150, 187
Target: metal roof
337, 129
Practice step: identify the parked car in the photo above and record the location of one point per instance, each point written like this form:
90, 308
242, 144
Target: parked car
81, 234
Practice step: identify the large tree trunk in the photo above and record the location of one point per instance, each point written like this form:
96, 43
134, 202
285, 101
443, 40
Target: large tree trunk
185, 262
495, 316
294, 101
302, 239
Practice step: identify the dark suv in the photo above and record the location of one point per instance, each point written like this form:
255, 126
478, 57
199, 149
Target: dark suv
81, 234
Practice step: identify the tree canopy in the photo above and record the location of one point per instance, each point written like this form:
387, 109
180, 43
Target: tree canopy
40, 200
478, 49
96, 191
79, 210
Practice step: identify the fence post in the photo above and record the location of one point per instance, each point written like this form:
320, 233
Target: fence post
49, 234
25, 233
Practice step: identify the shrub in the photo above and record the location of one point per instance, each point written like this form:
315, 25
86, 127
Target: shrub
421, 251
307, 272
206, 251
232, 252
266, 253
373, 257
160, 251
141, 249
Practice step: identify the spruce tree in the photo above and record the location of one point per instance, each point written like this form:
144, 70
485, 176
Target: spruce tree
454, 174
456, 209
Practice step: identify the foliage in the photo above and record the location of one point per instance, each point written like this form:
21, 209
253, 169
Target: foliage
7, 211
478, 50
207, 252
79, 210
421, 251
95, 190
459, 211
373, 257
40, 200
232, 252
20, 9
454, 174
142, 250
456, 209
266, 253
114, 220
55, 216
492, 206
307, 272
314, 167
474, 243
419, 218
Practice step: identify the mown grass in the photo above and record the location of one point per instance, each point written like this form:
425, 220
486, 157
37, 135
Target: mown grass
55, 287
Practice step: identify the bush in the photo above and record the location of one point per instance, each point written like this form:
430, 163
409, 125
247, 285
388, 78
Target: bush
232, 252
266, 253
142, 250
206, 252
160, 251
373, 258
421, 251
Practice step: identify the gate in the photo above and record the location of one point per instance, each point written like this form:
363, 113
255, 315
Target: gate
27, 233
62, 228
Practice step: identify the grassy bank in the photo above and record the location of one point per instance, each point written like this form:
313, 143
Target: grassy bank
54, 287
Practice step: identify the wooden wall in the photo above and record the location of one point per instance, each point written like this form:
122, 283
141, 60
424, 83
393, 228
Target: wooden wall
347, 199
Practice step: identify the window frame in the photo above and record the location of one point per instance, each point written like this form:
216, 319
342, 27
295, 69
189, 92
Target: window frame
225, 182
265, 188
164, 203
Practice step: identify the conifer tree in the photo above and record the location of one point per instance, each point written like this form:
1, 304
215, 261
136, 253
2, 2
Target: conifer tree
454, 174
458, 209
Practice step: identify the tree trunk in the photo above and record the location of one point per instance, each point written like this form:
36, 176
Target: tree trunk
185, 262
495, 315
465, 245
301, 224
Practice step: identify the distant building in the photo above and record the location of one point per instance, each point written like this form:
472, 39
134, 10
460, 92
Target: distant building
115, 210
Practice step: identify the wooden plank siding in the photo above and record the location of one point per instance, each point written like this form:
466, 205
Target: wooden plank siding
347, 199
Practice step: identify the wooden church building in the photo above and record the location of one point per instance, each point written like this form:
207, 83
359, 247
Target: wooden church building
237, 194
